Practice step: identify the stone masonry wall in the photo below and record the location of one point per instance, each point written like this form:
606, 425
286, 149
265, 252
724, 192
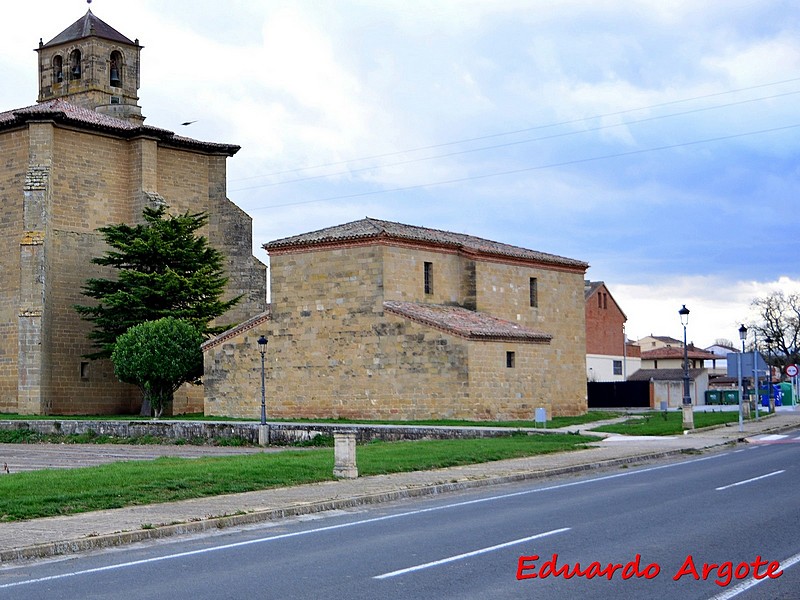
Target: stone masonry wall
13, 165
405, 277
91, 188
503, 290
91, 180
332, 351
507, 393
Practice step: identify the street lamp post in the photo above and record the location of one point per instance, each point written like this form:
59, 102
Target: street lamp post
743, 337
770, 396
263, 430
756, 385
688, 411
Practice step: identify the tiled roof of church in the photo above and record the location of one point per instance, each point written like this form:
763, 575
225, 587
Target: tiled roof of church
60, 110
465, 323
369, 228
251, 323
88, 25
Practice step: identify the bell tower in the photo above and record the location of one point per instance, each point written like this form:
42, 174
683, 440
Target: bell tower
92, 65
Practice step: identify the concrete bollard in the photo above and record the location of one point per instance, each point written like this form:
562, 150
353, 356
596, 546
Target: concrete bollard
344, 449
263, 435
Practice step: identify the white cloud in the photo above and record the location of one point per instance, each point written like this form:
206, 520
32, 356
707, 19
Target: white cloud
717, 306
299, 83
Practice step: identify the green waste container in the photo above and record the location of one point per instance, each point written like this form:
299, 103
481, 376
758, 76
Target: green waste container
730, 397
713, 397
787, 400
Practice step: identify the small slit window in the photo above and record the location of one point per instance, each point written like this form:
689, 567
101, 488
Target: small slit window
534, 292
428, 276
84, 371
511, 359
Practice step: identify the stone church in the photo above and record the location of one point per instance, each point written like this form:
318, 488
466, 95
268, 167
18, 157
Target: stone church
79, 159
381, 320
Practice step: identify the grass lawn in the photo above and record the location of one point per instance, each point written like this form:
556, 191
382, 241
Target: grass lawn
60, 492
670, 423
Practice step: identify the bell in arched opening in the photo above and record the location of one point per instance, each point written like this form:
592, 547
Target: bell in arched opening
75, 64
115, 69
58, 69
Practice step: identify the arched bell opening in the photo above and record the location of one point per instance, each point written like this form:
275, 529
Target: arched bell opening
58, 69
115, 69
75, 64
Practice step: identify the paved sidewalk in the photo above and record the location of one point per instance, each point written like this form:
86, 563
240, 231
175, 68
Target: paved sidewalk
103, 529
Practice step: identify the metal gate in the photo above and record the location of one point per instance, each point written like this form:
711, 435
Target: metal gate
618, 394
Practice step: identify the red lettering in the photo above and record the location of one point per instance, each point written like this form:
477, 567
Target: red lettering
526, 569
610, 570
522, 567
631, 569
550, 567
725, 572
739, 574
687, 568
771, 570
652, 570
707, 568
576, 570
758, 563
593, 570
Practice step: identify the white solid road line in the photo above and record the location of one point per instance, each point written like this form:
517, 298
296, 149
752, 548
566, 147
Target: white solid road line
725, 487
748, 583
469, 554
357, 523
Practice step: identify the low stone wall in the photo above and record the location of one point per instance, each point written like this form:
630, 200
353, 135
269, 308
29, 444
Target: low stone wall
280, 433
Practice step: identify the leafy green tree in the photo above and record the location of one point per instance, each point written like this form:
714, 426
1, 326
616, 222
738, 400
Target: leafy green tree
158, 357
164, 270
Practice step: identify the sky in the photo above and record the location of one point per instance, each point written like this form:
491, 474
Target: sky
657, 141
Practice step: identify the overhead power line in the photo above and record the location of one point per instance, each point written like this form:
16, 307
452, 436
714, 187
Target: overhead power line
515, 143
517, 131
528, 169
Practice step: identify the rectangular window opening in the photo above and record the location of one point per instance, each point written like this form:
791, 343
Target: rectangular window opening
428, 266
84, 370
511, 359
617, 367
534, 292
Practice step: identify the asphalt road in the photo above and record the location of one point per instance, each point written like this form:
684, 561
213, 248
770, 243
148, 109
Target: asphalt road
739, 506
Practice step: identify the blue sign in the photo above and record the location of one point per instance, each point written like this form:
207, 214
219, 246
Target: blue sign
747, 364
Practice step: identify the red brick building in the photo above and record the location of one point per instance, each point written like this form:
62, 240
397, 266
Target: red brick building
609, 357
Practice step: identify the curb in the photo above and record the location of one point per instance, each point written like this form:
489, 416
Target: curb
96, 542
210, 523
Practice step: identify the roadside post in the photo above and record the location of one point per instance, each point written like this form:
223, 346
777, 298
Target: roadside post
344, 451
